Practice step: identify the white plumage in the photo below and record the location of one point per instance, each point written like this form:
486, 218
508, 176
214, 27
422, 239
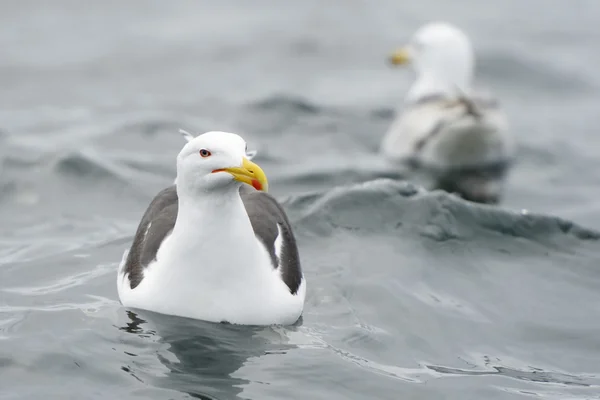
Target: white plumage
444, 124
213, 265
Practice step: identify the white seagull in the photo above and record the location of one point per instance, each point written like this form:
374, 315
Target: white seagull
215, 246
459, 137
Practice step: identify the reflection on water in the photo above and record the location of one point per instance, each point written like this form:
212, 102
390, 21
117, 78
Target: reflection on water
201, 356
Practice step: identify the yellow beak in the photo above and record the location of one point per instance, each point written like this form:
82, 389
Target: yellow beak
249, 173
400, 57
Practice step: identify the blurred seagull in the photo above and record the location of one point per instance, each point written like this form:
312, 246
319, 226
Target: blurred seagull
450, 135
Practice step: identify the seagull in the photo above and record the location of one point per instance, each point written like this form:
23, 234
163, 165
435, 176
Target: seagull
215, 246
457, 137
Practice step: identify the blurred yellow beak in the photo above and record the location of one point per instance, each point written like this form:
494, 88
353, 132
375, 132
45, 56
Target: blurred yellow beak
249, 173
400, 57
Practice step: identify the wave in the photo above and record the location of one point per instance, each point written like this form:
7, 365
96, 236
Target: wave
90, 165
294, 105
388, 205
286, 103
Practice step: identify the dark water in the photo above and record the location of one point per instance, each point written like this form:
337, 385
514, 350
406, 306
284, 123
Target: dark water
411, 295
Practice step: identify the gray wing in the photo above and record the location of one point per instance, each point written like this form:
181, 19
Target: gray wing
272, 227
267, 217
156, 224
448, 133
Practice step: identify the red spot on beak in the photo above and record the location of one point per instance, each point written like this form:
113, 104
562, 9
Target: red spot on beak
218, 170
256, 184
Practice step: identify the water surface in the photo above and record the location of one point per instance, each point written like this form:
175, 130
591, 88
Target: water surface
411, 294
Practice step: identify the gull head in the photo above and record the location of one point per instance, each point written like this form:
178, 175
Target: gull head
441, 54
217, 161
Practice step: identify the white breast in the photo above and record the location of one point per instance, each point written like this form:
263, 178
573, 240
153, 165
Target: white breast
461, 140
221, 272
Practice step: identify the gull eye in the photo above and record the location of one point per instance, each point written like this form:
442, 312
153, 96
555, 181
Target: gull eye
204, 153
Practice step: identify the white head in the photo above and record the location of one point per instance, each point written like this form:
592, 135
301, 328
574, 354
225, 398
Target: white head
216, 161
442, 57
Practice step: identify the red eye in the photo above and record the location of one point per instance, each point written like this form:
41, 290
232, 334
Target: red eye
204, 153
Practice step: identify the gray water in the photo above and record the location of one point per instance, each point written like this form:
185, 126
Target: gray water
411, 295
